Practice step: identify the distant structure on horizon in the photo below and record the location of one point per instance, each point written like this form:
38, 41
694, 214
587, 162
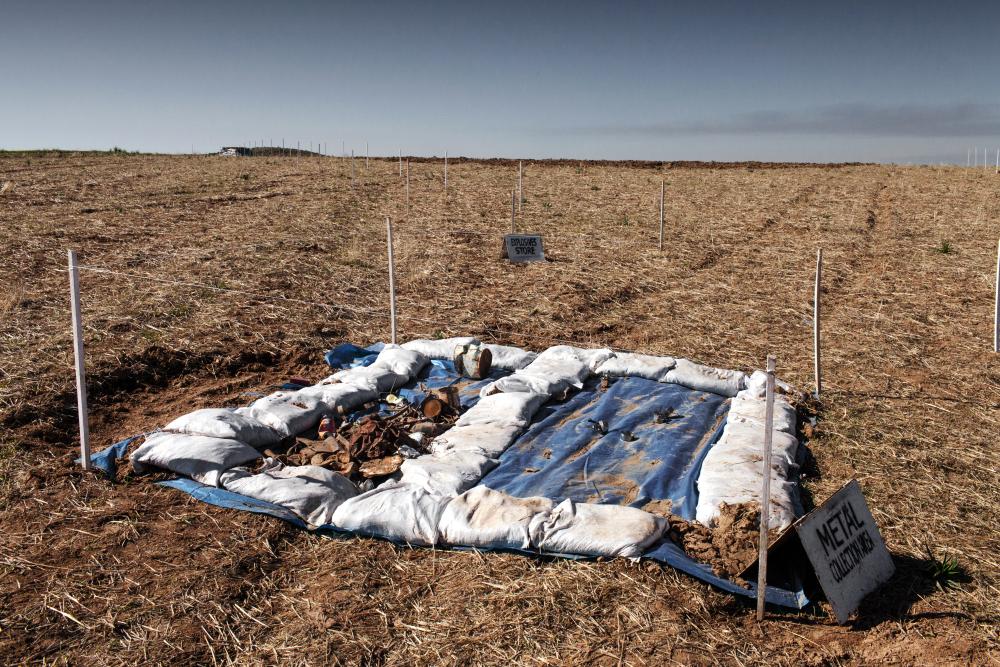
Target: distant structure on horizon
235, 151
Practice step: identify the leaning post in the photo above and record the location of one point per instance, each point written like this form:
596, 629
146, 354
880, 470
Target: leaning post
765, 495
81, 374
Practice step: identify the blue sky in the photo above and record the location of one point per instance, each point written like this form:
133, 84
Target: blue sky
891, 81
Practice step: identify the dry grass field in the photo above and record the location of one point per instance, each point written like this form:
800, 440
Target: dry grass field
127, 573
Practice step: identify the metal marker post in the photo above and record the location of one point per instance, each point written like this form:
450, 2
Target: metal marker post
81, 375
446, 172
816, 320
765, 496
997, 170
392, 282
661, 214
512, 195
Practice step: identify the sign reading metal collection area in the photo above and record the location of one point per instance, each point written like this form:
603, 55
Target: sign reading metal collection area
524, 247
846, 549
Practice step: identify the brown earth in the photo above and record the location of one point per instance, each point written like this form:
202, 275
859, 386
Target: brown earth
95, 572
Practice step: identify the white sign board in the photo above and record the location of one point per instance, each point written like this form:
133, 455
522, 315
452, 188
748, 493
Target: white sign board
846, 549
524, 247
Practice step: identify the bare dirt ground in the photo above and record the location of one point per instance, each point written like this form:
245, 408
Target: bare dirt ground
95, 572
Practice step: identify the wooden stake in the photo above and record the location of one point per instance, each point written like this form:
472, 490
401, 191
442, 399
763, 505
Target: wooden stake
996, 305
520, 184
81, 374
392, 282
816, 321
512, 195
765, 495
662, 185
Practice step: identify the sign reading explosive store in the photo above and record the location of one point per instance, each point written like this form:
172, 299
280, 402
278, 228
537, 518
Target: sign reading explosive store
524, 247
846, 549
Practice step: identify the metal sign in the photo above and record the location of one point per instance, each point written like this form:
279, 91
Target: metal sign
524, 247
846, 549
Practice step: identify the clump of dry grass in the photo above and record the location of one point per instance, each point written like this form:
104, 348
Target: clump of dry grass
134, 573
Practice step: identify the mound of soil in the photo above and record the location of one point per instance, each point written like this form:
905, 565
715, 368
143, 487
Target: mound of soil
729, 547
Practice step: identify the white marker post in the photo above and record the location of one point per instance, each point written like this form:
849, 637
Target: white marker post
352, 168
520, 184
366, 156
407, 185
392, 282
400, 162
996, 305
968, 158
512, 195
816, 321
765, 495
81, 375
662, 185
997, 170
446, 172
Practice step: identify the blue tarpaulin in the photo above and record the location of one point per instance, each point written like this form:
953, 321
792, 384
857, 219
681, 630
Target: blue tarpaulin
631, 443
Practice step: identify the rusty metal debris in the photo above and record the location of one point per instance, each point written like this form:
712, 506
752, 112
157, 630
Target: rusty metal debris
375, 445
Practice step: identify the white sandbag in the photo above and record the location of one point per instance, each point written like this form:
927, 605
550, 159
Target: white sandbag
735, 488
632, 364
312, 492
757, 385
706, 378
513, 409
550, 376
596, 530
443, 348
747, 436
732, 471
489, 519
287, 412
745, 407
225, 423
447, 474
373, 378
592, 358
400, 361
199, 457
508, 358
336, 395
400, 512
489, 439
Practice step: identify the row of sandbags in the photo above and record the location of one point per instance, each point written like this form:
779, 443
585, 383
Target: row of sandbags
205, 443
733, 470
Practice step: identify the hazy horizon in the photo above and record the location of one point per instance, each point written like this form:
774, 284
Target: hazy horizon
778, 81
